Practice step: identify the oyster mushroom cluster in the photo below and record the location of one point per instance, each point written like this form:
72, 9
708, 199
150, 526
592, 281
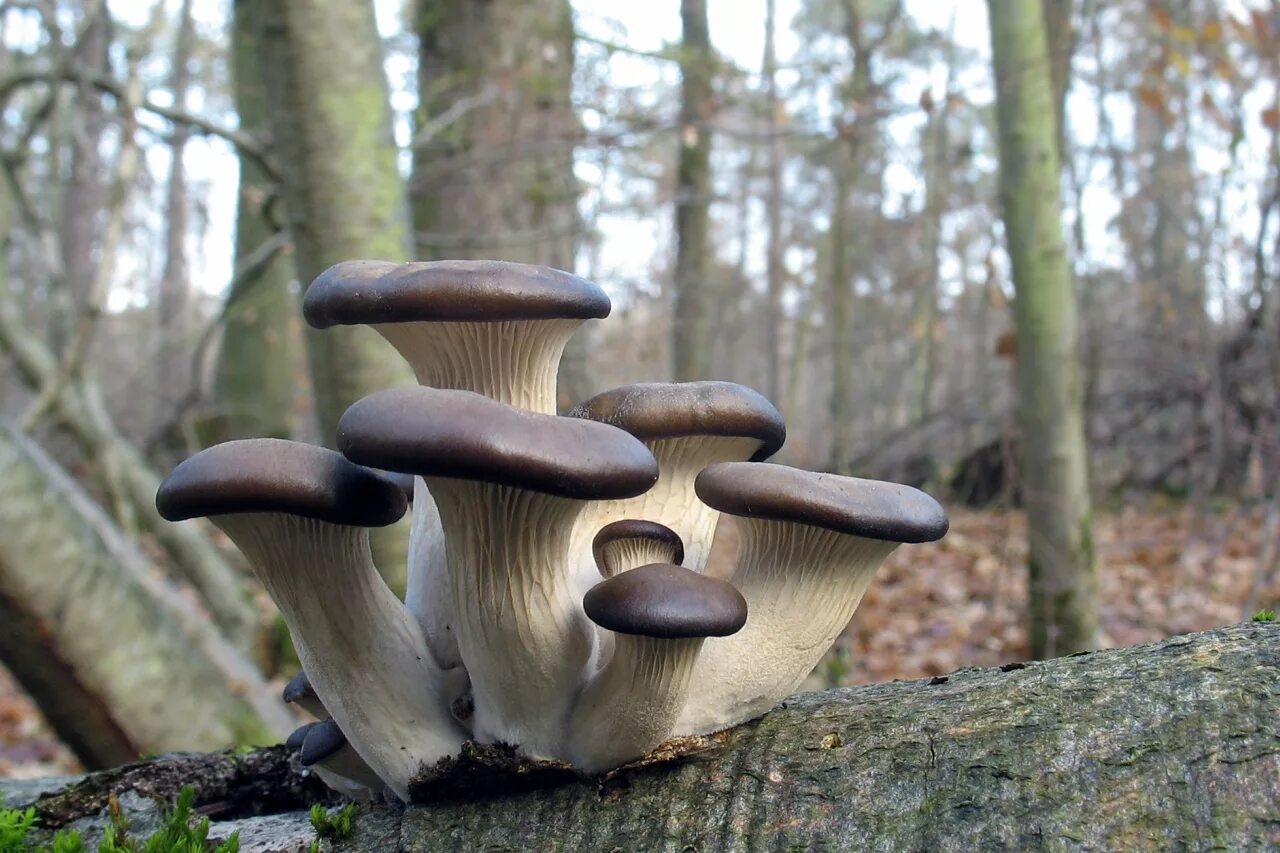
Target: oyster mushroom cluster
556, 598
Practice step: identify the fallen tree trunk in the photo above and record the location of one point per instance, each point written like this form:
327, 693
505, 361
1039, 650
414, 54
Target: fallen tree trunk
1174, 745
119, 661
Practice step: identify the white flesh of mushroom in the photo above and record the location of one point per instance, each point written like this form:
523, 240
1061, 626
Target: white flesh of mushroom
521, 628
363, 652
671, 501
513, 361
632, 705
802, 585
628, 552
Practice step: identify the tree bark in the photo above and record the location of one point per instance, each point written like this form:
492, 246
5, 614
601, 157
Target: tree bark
773, 205
1063, 617
172, 297
1162, 747
330, 119
330, 122
86, 187
493, 161
259, 365
117, 659
691, 346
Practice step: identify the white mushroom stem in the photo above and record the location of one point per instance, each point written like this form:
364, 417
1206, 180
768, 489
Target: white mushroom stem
363, 652
349, 788
802, 585
346, 772
671, 501
513, 361
521, 629
427, 593
632, 704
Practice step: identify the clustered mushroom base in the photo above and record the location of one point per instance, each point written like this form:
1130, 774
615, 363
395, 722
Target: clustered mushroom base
556, 602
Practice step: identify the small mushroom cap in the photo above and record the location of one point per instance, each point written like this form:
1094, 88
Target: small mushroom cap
274, 475
322, 740
382, 292
868, 508
298, 689
299, 735
656, 410
635, 528
459, 434
665, 601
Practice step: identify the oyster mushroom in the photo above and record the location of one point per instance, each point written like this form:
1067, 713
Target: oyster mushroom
810, 546
623, 545
326, 751
300, 516
688, 426
660, 615
300, 692
491, 327
509, 485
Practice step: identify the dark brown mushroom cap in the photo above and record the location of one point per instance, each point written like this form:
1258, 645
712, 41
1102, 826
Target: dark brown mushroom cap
665, 601
274, 475
656, 410
299, 735
382, 292
459, 434
322, 740
635, 528
867, 508
298, 689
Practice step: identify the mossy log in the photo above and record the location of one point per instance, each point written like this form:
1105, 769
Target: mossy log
1170, 746
119, 660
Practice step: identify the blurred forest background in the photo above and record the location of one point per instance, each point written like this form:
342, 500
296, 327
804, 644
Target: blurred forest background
803, 196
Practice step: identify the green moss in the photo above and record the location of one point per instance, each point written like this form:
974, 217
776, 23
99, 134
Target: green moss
1264, 616
15, 826
331, 826
177, 833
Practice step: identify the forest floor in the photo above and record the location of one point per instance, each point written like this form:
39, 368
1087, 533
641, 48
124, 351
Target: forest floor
960, 602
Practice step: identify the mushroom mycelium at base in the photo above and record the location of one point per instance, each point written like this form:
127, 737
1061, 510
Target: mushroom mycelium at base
556, 601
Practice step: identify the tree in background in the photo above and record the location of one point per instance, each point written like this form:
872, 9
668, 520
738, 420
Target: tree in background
1055, 485
330, 121
494, 139
259, 368
691, 344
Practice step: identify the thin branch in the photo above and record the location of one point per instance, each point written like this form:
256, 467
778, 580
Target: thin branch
245, 143
243, 282
128, 163
459, 108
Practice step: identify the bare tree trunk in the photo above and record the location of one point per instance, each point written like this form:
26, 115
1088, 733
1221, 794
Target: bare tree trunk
119, 662
172, 296
935, 150
1170, 746
330, 122
691, 344
260, 369
773, 206
1055, 467
853, 139
493, 153
840, 301
85, 194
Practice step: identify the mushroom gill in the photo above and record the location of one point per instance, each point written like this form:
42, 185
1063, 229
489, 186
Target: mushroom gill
810, 546
509, 485
490, 327
687, 426
300, 515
